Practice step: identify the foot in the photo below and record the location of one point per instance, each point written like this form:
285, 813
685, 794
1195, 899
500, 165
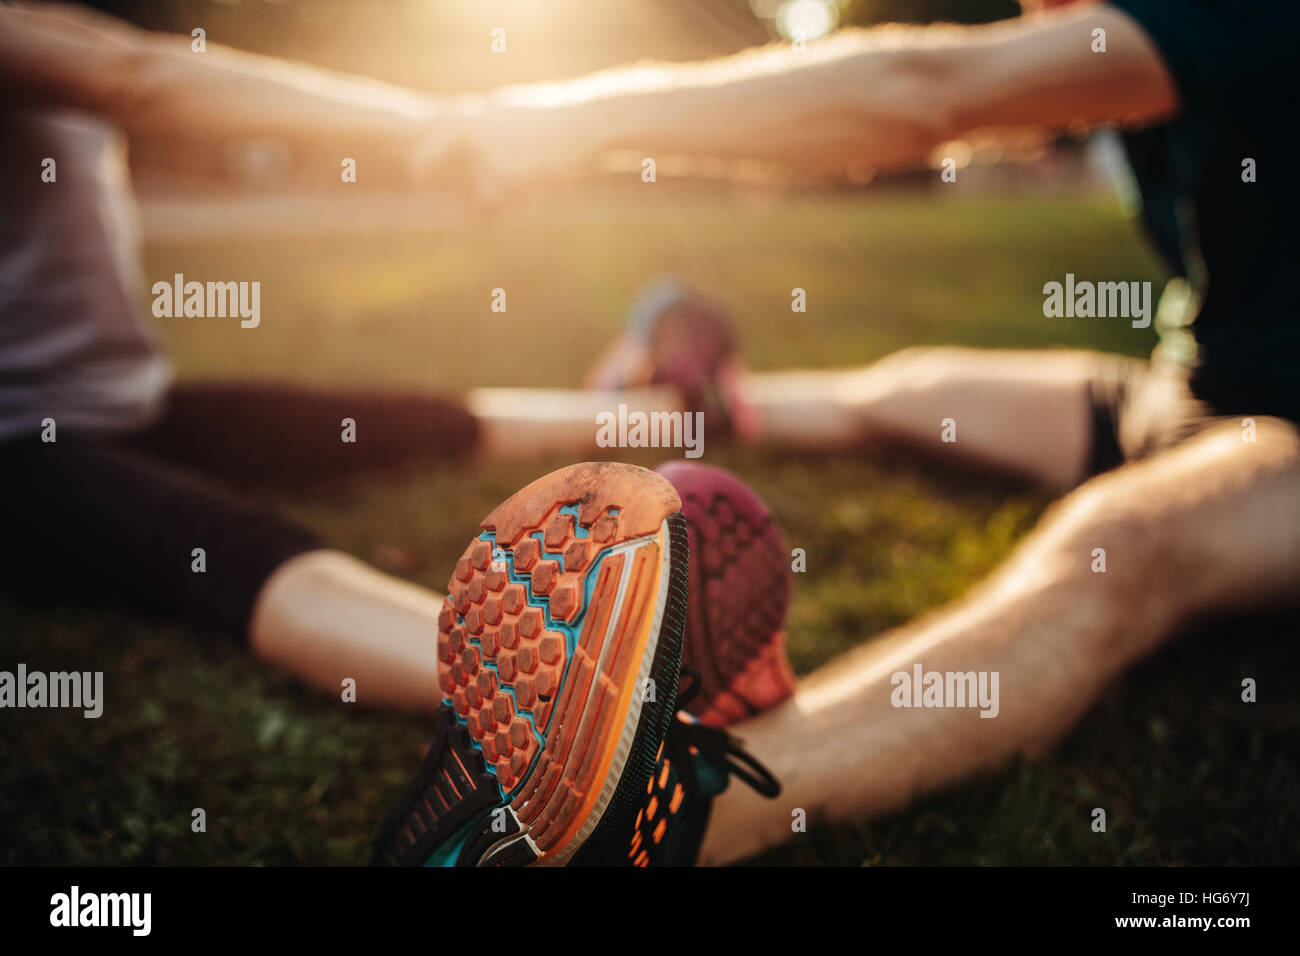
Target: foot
675, 336
559, 647
740, 590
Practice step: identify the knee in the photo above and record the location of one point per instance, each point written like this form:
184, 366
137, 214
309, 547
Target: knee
1101, 544
1210, 524
917, 370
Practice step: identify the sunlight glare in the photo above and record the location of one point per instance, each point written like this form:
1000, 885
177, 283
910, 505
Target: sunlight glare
807, 19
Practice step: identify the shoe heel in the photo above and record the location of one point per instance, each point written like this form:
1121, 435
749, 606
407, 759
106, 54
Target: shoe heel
452, 792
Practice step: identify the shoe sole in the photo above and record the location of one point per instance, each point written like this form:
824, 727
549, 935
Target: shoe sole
740, 591
559, 646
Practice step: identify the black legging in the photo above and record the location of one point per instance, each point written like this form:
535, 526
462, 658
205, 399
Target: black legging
91, 516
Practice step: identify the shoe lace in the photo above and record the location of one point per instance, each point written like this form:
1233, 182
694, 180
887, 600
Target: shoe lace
719, 745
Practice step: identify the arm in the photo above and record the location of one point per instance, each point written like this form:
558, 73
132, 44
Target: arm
154, 83
885, 96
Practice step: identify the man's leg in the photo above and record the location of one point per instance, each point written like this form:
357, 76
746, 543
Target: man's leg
1213, 524
1027, 412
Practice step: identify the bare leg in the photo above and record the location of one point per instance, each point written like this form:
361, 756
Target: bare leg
1211, 525
903, 397
519, 422
325, 616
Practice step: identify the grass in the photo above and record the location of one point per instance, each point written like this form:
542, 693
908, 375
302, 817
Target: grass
1188, 773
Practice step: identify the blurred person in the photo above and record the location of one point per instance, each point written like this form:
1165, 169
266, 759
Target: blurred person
142, 470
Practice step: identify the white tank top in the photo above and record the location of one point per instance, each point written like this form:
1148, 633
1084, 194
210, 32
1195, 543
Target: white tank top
76, 344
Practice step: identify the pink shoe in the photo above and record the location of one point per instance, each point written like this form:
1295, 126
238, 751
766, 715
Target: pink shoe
739, 593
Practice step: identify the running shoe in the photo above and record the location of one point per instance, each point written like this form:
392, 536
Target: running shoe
559, 649
675, 336
739, 593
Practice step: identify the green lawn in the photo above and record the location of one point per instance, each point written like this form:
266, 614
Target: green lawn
1187, 772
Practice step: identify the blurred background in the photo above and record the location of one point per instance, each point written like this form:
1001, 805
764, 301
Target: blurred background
369, 285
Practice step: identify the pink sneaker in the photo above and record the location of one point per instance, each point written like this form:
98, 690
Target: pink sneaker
739, 593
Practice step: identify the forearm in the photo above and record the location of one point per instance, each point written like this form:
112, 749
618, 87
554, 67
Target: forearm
861, 98
156, 84
883, 98
229, 93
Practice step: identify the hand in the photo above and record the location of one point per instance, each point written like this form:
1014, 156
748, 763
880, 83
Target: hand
492, 150
442, 151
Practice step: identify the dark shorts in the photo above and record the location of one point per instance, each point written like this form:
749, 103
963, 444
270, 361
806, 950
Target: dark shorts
92, 517
1140, 408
